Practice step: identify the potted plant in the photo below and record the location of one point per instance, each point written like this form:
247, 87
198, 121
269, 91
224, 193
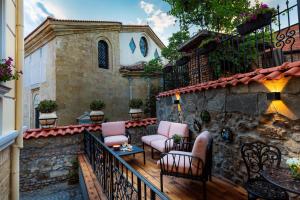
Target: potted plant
294, 165
97, 114
260, 16
48, 115
176, 138
7, 73
135, 111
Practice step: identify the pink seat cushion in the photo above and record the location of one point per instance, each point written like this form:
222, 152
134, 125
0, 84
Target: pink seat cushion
149, 138
163, 128
180, 163
113, 128
160, 145
179, 129
117, 139
200, 145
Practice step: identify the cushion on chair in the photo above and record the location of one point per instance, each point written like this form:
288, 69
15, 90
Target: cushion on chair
183, 164
117, 139
200, 145
163, 128
179, 129
160, 145
149, 138
113, 128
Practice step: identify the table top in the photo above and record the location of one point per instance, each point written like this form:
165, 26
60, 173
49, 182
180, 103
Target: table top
282, 178
135, 150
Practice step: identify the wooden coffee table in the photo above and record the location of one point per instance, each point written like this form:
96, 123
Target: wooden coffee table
135, 150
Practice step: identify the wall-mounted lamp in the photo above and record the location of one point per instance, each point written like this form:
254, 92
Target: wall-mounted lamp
176, 101
273, 96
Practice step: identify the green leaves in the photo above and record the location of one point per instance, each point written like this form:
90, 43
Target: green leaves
47, 106
97, 105
213, 15
152, 67
175, 41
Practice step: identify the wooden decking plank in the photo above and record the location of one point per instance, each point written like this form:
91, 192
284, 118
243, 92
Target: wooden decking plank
179, 188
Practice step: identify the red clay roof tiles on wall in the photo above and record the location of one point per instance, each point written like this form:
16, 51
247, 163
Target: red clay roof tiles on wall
75, 129
259, 75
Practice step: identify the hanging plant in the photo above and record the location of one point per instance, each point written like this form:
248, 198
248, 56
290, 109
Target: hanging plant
260, 16
205, 116
7, 72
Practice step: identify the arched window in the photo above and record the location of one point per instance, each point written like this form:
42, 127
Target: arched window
144, 46
103, 54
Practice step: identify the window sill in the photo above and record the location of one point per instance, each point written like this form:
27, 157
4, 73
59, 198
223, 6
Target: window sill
8, 139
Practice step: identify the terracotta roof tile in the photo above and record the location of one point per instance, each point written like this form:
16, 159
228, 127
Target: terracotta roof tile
258, 75
75, 129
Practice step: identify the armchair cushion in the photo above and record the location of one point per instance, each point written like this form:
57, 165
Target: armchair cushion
160, 145
163, 128
200, 145
179, 129
179, 162
113, 128
116, 139
148, 139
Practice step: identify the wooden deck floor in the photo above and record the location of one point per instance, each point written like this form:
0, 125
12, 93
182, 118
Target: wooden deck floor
183, 189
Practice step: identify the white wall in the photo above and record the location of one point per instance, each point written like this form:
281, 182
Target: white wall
39, 78
126, 55
8, 44
35, 68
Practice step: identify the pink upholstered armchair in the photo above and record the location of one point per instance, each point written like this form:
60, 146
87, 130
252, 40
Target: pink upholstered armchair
195, 165
114, 133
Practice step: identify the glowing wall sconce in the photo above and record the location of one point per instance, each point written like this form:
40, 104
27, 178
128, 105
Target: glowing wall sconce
273, 96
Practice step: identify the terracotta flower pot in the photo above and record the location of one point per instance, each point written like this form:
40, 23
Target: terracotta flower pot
47, 120
136, 113
97, 116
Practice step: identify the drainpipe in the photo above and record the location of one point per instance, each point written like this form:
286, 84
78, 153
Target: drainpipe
15, 155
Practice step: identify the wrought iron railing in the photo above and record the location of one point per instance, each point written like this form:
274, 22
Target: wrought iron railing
117, 178
268, 46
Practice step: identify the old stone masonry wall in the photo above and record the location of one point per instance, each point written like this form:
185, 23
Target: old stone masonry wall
250, 117
52, 160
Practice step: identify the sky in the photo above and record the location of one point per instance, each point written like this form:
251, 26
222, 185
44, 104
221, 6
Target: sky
152, 12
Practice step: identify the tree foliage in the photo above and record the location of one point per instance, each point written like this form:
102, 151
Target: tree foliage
213, 15
153, 66
170, 52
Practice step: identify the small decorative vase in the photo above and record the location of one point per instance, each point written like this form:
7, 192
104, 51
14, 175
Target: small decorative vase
47, 120
136, 113
97, 116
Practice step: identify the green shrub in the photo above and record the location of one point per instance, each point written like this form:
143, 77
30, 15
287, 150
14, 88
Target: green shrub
97, 105
135, 103
47, 106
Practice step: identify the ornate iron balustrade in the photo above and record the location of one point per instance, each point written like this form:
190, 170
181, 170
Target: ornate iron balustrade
266, 47
117, 178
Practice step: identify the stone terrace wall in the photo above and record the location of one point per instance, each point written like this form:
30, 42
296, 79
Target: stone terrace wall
49, 160
246, 115
46, 161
